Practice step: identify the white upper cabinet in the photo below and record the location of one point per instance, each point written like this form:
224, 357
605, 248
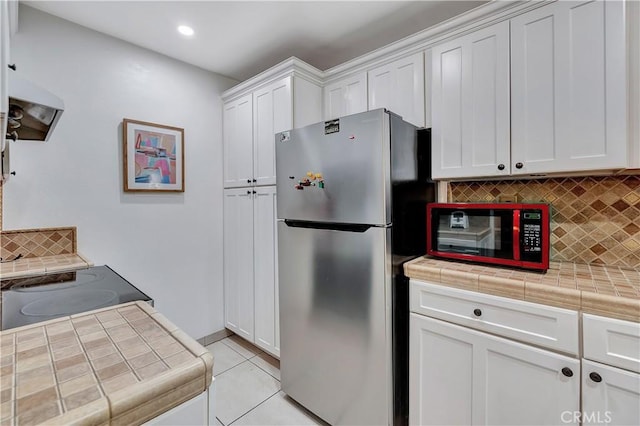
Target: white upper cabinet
470, 105
272, 113
238, 142
568, 88
399, 87
4, 70
278, 99
346, 96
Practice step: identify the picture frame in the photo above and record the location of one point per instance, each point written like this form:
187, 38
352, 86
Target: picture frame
153, 157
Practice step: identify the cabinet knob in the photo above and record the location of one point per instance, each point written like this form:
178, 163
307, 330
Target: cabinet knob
595, 377
254, 192
519, 165
248, 180
567, 372
248, 192
477, 312
12, 66
254, 180
500, 166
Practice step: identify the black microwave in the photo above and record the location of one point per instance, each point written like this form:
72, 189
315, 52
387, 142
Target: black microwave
496, 233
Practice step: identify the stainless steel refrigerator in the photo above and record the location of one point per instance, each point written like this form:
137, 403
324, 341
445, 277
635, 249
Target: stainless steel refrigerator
351, 196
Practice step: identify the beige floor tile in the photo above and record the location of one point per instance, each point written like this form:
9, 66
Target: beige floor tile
241, 389
278, 410
267, 363
241, 346
224, 357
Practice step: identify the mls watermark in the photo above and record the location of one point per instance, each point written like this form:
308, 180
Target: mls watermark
590, 417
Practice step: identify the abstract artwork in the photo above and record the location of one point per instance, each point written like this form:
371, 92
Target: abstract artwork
153, 157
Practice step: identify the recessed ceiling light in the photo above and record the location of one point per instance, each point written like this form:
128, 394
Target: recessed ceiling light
185, 30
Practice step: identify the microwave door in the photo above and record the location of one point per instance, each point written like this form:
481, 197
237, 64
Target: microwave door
484, 233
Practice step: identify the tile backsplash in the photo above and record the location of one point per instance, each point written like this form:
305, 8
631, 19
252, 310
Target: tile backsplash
37, 242
593, 219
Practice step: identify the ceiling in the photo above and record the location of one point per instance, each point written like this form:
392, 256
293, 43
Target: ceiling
239, 39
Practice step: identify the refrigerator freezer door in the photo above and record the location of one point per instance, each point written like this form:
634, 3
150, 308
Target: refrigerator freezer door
334, 322
347, 164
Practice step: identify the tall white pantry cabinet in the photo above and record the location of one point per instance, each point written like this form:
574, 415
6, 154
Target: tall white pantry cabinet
286, 96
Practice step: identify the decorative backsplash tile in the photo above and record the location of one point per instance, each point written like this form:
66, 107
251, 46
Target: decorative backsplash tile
593, 219
37, 242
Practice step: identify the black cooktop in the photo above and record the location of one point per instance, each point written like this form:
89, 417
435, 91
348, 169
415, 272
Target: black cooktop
39, 298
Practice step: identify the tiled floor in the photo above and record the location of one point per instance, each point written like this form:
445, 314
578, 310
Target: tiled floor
248, 388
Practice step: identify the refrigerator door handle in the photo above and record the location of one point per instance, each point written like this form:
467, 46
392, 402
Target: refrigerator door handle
346, 227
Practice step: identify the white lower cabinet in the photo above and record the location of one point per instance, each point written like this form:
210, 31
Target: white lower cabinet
610, 371
609, 395
462, 376
199, 410
250, 266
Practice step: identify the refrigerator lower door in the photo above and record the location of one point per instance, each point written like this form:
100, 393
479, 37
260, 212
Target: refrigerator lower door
335, 322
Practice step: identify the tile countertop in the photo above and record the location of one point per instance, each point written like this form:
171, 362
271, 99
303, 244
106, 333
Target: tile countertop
28, 266
602, 290
119, 365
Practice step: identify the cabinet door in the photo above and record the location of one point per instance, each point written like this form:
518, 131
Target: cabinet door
238, 142
470, 105
4, 70
568, 85
272, 114
345, 97
238, 262
462, 376
399, 87
440, 373
267, 321
609, 395
525, 385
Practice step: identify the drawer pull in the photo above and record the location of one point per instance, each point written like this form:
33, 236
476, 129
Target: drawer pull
567, 372
595, 377
477, 312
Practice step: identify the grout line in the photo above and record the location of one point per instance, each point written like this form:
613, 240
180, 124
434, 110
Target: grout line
264, 369
231, 347
231, 368
259, 404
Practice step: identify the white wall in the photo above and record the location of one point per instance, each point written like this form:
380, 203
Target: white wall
168, 245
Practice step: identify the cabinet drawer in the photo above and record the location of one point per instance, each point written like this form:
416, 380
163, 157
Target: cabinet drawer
541, 325
612, 341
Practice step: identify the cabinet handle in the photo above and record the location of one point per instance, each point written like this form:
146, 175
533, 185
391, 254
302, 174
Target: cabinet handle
248, 192
519, 165
477, 312
595, 377
567, 372
12, 66
500, 166
254, 192
255, 180
248, 180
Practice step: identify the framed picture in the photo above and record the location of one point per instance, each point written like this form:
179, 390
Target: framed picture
153, 157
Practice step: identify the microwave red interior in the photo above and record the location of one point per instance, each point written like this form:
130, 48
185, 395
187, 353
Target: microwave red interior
502, 233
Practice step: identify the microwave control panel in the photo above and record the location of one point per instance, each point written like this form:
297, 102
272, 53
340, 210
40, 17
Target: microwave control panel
531, 235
